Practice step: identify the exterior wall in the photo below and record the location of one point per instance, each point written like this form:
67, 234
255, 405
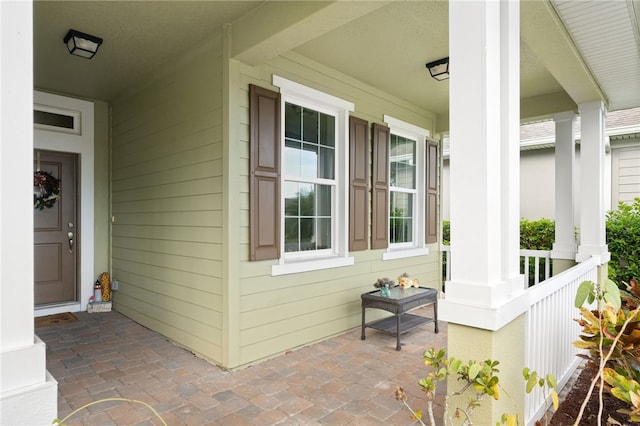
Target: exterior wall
625, 173
283, 312
167, 201
537, 184
537, 176
180, 247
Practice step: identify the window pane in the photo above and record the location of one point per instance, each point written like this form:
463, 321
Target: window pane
325, 166
292, 121
324, 233
327, 130
310, 125
53, 119
291, 199
291, 232
323, 206
309, 160
292, 158
402, 162
401, 218
307, 199
307, 234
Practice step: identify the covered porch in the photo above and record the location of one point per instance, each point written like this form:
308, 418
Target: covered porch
503, 71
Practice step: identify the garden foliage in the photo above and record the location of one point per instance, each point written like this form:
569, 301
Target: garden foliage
480, 378
611, 338
537, 234
623, 240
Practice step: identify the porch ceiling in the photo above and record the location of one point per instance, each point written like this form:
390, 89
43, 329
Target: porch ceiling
571, 51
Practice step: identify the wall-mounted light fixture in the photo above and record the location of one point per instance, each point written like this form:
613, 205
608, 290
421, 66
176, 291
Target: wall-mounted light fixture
439, 69
81, 44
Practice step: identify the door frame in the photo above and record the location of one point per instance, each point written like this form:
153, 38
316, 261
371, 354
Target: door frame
80, 141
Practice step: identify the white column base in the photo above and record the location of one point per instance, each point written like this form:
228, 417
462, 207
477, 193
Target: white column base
29, 394
21, 367
481, 316
41, 400
564, 251
599, 252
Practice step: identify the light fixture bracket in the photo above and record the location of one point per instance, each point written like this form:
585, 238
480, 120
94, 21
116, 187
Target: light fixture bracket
82, 44
439, 69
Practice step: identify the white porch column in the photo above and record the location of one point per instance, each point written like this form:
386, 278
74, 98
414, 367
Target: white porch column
484, 301
28, 394
484, 172
564, 246
592, 176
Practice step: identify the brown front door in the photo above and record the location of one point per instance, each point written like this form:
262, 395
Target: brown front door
56, 233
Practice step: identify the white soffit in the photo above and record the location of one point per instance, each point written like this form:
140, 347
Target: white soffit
607, 35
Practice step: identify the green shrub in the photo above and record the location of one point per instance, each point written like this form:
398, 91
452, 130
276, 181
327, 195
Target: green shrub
623, 239
537, 234
534, 234
446, 232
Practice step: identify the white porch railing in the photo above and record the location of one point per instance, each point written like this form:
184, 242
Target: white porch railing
551, 331
446, 262
539, 259
550, 326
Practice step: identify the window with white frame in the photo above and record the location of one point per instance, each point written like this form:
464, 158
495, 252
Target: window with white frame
309, 179
407, 172
314, 180
402, 189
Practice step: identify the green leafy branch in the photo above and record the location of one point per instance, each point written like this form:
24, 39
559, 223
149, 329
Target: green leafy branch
480, 377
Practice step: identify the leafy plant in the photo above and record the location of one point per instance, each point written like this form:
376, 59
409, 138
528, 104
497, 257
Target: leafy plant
623, 234
381, 282
480, 377
611, 335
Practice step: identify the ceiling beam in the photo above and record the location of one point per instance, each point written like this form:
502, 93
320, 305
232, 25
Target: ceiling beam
274, 28
536, 107
545, 34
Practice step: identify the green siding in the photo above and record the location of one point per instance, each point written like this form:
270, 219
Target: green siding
167, 203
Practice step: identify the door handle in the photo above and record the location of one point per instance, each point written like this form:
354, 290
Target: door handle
70, 236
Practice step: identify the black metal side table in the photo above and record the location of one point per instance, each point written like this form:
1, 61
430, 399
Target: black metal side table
399, 303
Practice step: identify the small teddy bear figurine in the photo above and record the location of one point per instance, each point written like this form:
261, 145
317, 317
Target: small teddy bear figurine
405, 282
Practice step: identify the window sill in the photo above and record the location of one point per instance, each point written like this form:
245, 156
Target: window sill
296, 267
403, 253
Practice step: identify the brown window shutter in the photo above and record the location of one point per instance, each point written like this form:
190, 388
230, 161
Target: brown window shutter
264, 182
358, 181
380, 190
431, 233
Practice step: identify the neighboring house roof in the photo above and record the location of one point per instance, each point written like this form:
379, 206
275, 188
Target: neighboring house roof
622, 126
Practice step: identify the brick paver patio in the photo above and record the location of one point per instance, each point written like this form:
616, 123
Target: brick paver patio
342, 380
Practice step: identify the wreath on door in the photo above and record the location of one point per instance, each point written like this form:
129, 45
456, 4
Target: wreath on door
46, 190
